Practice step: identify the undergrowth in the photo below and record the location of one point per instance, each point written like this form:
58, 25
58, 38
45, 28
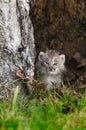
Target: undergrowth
62, 109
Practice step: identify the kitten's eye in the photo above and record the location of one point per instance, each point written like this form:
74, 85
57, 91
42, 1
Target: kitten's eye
47, 62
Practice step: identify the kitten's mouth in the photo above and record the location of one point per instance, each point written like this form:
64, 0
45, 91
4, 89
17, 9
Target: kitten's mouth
51, 69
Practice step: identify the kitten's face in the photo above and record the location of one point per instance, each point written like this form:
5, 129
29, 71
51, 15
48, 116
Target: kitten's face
51, 62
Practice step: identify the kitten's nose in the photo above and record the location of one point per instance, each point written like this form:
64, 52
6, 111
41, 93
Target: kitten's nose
50, 68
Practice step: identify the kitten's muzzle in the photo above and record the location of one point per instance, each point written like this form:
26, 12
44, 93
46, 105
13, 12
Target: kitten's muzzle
50, 68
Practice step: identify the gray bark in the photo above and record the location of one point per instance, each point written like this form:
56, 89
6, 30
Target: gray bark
17, 49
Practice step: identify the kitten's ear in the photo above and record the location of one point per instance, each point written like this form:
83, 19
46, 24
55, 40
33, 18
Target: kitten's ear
47, 49
62, 57
41, 54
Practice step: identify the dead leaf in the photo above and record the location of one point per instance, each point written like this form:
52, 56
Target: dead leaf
77, 57
83, 63
70, 76
19, 74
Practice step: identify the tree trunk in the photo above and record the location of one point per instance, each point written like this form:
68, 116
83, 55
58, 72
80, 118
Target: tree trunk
17, 49
60, 25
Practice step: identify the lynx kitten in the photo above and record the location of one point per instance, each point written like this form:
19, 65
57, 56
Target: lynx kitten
50, 66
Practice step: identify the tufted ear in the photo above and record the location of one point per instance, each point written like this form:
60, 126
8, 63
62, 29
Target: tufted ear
41, 54
47, 50
62, 57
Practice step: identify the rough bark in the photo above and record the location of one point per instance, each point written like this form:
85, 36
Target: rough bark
60, 25
17, 50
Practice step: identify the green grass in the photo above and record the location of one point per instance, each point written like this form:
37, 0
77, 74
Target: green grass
54, 111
